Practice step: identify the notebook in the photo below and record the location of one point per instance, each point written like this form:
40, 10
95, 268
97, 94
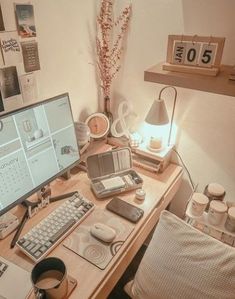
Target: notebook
113, 183
14, 281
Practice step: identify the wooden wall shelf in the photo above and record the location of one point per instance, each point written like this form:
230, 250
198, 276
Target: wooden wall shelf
219, 84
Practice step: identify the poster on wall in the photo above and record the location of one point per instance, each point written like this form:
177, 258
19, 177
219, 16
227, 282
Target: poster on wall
2, 27
8, 14
28, 87
10, 47
25, 20
1, 103
30, 56
9, 82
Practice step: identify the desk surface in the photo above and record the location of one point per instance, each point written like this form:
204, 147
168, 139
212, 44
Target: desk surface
93, 282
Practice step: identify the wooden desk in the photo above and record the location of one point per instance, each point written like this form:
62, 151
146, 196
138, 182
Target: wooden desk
93, 282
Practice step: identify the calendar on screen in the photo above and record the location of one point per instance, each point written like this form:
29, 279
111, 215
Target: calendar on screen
14, 177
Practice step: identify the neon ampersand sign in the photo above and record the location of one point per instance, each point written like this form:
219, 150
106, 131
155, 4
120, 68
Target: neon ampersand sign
119, 127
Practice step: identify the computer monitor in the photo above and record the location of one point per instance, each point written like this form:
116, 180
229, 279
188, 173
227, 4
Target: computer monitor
37, 144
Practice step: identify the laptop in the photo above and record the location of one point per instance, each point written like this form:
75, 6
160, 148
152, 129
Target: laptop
14, 281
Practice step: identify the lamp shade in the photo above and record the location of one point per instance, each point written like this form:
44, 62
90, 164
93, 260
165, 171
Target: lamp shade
157, 114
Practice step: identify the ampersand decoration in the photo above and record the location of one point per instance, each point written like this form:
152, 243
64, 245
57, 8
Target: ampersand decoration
119, 127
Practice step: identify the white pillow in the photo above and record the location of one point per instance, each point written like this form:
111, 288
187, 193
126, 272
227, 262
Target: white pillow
184, 263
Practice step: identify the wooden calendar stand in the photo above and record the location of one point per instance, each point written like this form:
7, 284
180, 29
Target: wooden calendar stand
194, 54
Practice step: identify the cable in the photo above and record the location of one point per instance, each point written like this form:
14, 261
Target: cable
194, 187
19, 229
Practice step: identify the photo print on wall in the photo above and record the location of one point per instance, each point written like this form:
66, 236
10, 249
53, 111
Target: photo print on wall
9, 82
28, 87
1, 104
10, 47
30, 56
25, 20
2, 27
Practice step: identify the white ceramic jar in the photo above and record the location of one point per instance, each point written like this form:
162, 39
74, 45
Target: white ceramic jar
82, 133
198, 204
230, 221
216, 212
214, 191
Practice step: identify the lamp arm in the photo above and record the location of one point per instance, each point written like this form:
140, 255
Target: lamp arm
173, 109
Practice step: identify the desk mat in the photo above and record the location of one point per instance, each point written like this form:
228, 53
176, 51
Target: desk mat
93, 250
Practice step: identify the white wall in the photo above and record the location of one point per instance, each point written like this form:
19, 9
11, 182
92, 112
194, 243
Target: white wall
206, 121
66, 43
66, 37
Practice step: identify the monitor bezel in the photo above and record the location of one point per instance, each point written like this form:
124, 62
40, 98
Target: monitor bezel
39, 187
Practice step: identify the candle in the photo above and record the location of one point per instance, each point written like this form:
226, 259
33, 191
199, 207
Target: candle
155, 143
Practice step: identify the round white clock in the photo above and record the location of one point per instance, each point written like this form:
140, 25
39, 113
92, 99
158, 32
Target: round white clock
98, 124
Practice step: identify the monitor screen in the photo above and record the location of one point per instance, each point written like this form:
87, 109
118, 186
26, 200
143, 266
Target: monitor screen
37, 144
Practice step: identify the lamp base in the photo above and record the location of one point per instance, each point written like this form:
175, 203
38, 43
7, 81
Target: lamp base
162, 157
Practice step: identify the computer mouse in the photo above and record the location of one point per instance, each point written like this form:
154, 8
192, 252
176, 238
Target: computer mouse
103, 232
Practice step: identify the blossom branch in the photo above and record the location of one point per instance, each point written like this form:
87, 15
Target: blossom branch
108, 52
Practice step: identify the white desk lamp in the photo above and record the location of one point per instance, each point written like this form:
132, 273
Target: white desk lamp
158, 115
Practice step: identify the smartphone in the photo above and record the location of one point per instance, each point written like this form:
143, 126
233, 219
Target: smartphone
125, 209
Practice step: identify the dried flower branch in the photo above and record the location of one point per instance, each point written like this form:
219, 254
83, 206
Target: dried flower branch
109, 42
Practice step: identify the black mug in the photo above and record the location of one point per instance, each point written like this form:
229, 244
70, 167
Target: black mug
49, 279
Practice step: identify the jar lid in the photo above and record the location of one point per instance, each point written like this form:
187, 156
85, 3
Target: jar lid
215, 189
140, 193
200, 198
218, 206
231, 212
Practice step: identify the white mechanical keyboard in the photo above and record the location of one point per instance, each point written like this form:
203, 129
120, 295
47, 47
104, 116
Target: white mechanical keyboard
46, 235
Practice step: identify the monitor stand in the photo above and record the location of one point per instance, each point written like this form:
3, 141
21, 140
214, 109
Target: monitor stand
44, 198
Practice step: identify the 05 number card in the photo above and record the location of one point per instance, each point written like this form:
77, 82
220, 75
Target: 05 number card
194, 54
